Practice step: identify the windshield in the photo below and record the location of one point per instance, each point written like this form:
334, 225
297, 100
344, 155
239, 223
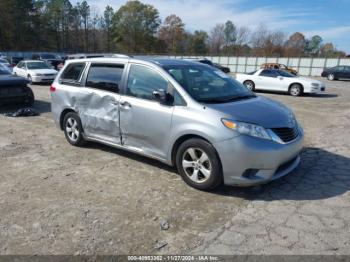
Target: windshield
37, 65
285, 73
47, 56
4, 70
205, 84
251, 73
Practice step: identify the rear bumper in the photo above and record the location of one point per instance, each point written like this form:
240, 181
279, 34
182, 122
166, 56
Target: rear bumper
249, 161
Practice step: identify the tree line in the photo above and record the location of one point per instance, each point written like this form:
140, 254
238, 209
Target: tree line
135, 28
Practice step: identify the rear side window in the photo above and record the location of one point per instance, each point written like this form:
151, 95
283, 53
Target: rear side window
73, 72
268, 73
105, 77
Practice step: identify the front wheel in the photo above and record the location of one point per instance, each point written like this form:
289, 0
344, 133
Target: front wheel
296, 90
199, 164
73, 129
250, 85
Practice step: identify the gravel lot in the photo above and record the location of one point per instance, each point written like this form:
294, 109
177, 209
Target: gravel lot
59, 199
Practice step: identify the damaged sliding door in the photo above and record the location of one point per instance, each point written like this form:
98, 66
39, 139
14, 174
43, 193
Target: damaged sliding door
99, 102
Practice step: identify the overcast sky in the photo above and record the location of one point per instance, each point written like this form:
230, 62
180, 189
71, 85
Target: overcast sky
329, 19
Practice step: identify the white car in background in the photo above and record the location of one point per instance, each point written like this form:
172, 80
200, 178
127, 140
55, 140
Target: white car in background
280, 81
6, 63
35, 71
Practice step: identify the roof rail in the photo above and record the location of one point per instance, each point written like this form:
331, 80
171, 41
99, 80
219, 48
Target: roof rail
122, 56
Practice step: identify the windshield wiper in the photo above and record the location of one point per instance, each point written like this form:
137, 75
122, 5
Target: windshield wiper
225, 100
211, 100
241, 97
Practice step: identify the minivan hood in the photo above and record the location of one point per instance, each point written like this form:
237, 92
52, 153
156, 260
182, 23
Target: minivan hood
260, 111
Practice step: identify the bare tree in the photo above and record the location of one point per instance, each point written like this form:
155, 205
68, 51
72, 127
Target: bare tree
242, 39
267, 43
217, 38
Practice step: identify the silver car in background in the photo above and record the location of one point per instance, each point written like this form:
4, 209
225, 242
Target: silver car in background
186, 114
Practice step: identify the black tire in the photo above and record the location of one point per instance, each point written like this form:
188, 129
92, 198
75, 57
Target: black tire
67, 123
249, 84
331, 77
213, 164
295, 90
29, 99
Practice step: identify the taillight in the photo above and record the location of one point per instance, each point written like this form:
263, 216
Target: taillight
52, 88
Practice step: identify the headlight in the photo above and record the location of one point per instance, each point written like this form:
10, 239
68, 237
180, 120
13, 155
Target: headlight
315, 84
247, 129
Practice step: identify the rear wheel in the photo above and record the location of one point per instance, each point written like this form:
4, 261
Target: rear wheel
73, 129
296, 90
331, 77
249, 84
199, 164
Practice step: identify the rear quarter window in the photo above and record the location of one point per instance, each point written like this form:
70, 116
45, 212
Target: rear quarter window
73, 72
105, 77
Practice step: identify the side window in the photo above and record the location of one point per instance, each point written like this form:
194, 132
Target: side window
268, 73
105, 77
20, 65
143, 81
73, 72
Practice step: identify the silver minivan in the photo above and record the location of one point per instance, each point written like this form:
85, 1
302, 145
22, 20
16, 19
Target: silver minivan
183, 113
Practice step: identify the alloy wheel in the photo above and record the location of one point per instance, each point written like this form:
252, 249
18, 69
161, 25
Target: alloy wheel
196, 164
295, 90
249, 85
72, 129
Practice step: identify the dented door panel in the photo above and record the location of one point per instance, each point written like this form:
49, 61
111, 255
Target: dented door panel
99, 113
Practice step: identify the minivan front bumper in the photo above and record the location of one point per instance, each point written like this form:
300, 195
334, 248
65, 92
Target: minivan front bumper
249, 161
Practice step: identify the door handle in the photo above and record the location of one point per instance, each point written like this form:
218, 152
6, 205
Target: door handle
125, 104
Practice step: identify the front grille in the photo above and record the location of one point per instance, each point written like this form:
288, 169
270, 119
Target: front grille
286, 134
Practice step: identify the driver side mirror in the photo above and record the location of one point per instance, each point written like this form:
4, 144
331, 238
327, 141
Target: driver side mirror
160, 95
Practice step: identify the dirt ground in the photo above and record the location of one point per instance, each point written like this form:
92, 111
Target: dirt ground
59, 199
